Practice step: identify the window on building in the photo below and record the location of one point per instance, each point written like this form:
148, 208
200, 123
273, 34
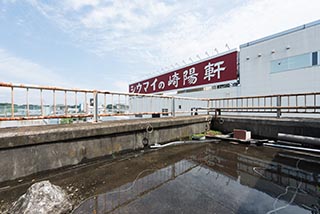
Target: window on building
292, 63
165, 112
315, 58
224, 85
190, 90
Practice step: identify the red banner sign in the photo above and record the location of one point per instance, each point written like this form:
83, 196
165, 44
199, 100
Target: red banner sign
219, 69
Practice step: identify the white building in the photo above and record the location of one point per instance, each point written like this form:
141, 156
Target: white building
286, 62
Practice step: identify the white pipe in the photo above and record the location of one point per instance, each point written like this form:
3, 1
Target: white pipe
292, 147
174, 143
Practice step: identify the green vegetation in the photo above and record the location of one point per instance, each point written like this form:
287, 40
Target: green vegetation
213, 133
197, 136
71, 120
207, 133
6, 108
66, 121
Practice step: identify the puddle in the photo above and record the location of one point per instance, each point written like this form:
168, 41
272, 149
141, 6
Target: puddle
217, 178
195, 178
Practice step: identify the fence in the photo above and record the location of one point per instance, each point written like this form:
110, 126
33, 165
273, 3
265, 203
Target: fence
279, 104
30, 102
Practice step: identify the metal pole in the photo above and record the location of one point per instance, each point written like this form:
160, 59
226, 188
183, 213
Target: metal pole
112, 104
278, 105
76, 102
315, 102
173, 107
126, 100
105, 104
95, 107
12, 102
65, 103
41, 102
305, 103
86, 103
28, 112
54, 102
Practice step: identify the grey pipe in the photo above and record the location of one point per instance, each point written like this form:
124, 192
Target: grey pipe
299, 139
292, 147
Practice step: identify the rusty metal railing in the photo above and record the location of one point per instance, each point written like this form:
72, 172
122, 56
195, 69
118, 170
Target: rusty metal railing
31, 102
278, 104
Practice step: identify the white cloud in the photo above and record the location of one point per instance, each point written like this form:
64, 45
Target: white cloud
15, 69
162, 33
121, 86
78, 4
132, 16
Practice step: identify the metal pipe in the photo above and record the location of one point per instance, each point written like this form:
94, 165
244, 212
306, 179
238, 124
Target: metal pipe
278, 105
292, 147
86, 102
76, 101
28, 110
105, 103
173, 107
126, 102
54, 102
112, 103
3, 84
95, 107
315, 101
299, 139
223, 103
45, 117
41, 102
12, 102
65, 103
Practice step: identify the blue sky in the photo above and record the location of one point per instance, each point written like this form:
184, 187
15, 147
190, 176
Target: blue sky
108, 44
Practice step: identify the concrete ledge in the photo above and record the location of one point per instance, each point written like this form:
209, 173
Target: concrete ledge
28, 150
265, 127
26, 136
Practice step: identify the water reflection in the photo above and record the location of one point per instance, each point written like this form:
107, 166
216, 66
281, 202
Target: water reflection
127, 193
220, 179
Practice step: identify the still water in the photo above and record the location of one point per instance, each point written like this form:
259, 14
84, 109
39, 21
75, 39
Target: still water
213, 178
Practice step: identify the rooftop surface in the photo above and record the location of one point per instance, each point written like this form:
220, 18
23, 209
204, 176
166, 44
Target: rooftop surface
199, 178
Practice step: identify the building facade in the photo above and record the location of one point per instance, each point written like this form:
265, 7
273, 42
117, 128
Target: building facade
286, 62
283, 63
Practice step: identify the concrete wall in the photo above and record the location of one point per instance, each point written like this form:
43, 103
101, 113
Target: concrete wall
268, 127
28, 150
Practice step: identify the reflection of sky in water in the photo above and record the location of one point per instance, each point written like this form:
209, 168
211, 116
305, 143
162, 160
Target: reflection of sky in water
187, 187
